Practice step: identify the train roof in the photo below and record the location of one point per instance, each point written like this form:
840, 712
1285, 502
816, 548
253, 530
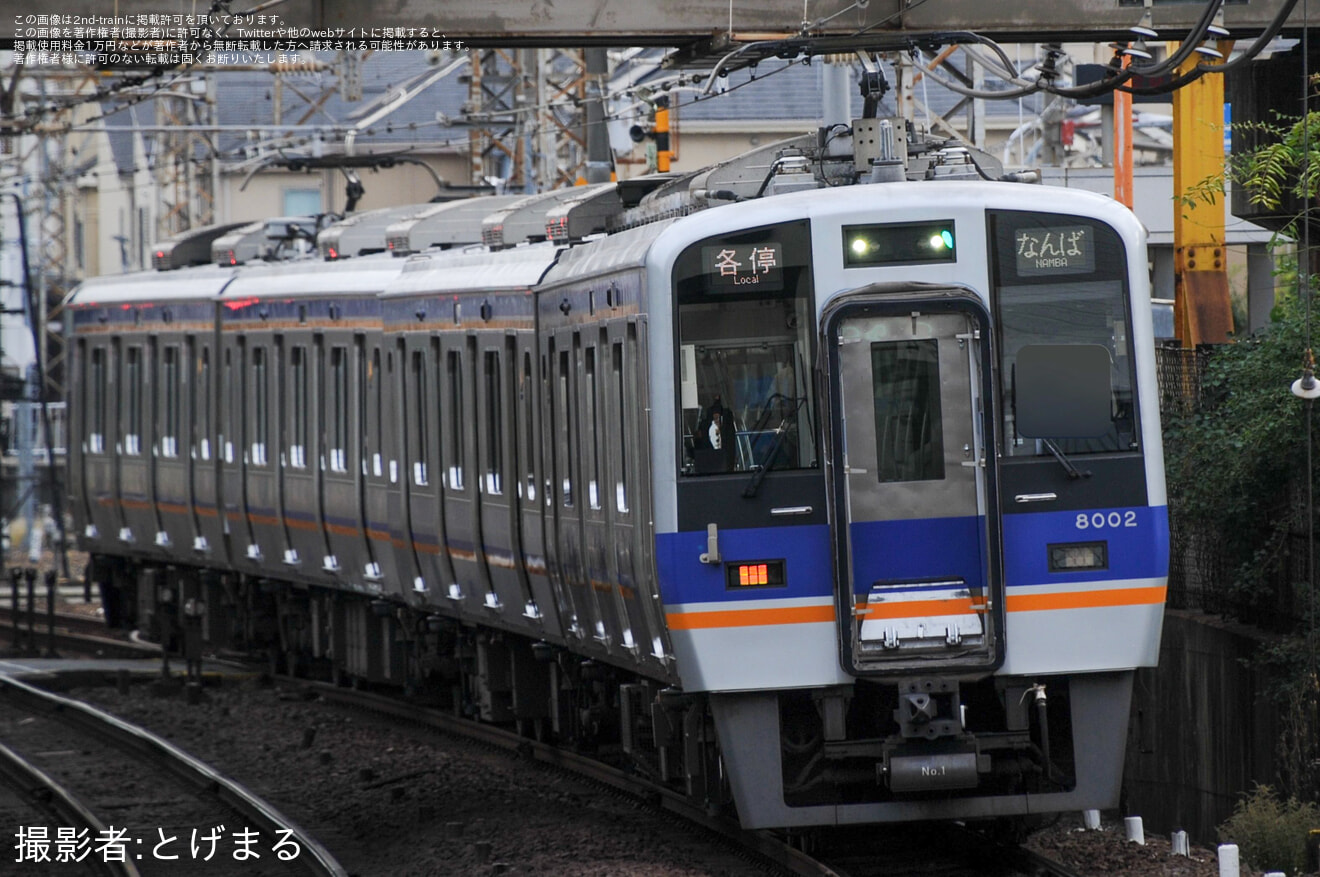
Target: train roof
457, 271
240, 245
453, 223
191, 247
525, 218
311, 278
184, 284
618, 252
587, 212
360, 234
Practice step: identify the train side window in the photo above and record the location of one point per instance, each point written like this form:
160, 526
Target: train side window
260, 407
395, 380
566, 433
591, 424
360, 394
170, 420
421, 441
494, 425
230, 422
81, 384
236, 381
526, 397
298, 374
204, 402
338, 417
622, 416
96, 436
454, 373
133, 400
374, 441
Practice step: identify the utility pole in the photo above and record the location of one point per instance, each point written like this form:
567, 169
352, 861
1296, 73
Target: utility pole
598, 140
495, 140
186, 195
527, 113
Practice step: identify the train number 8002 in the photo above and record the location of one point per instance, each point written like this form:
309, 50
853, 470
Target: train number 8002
1100, 520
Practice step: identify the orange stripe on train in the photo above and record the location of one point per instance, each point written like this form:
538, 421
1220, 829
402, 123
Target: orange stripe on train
749, 617
1086, 599
914, 609
921, 608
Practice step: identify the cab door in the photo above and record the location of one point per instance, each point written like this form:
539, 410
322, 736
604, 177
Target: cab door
916, 538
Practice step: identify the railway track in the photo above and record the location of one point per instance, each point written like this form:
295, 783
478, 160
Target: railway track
44, 795
941, 849
74, 634
761, 846
95, 763
958, 853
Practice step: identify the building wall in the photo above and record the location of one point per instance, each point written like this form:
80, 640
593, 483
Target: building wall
264, 194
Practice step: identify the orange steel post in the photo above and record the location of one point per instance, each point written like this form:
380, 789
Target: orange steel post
1123, 145
1202, 312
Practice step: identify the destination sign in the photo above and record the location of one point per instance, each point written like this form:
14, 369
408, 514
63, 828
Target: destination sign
1066, 250
744, 267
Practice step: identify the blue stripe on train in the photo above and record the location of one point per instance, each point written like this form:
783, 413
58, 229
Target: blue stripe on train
917, 550
1138, 546
685, 579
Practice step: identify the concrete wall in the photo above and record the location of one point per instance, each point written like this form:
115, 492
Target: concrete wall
1200, 733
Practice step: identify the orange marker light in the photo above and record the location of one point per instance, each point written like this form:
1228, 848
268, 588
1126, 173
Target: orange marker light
758, 573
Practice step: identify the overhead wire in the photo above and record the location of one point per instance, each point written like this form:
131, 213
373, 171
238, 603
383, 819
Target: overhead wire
1119, 77
206, 36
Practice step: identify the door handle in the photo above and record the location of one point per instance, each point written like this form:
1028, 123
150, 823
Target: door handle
1036, 497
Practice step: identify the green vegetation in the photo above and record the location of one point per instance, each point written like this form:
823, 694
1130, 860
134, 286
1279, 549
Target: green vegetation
1237, 463
1271, 833
1233, 463
1237, 455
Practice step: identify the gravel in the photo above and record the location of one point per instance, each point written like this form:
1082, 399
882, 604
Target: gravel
1107, 851
397, 801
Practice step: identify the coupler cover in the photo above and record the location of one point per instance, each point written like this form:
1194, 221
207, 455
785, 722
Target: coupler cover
935, 771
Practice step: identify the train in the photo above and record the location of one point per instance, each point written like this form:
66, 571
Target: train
824, 485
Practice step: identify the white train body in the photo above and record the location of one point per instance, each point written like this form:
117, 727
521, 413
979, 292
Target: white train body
853, 495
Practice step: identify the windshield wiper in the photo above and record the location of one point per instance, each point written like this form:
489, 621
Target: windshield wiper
1073, 472
750, 491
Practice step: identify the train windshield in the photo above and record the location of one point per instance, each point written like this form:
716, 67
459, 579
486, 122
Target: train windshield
1063, 309
746, 397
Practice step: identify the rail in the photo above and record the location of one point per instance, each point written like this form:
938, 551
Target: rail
179, 764
48, 796
760, 844
37, 632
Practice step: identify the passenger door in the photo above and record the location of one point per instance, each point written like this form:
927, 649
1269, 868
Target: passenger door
99, 469
205, 452
135, 446
916, 554
304, 452
420, 419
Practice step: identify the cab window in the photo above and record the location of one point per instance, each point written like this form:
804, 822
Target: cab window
745, 395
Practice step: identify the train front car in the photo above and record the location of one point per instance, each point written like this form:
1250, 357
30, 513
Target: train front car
910, 513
